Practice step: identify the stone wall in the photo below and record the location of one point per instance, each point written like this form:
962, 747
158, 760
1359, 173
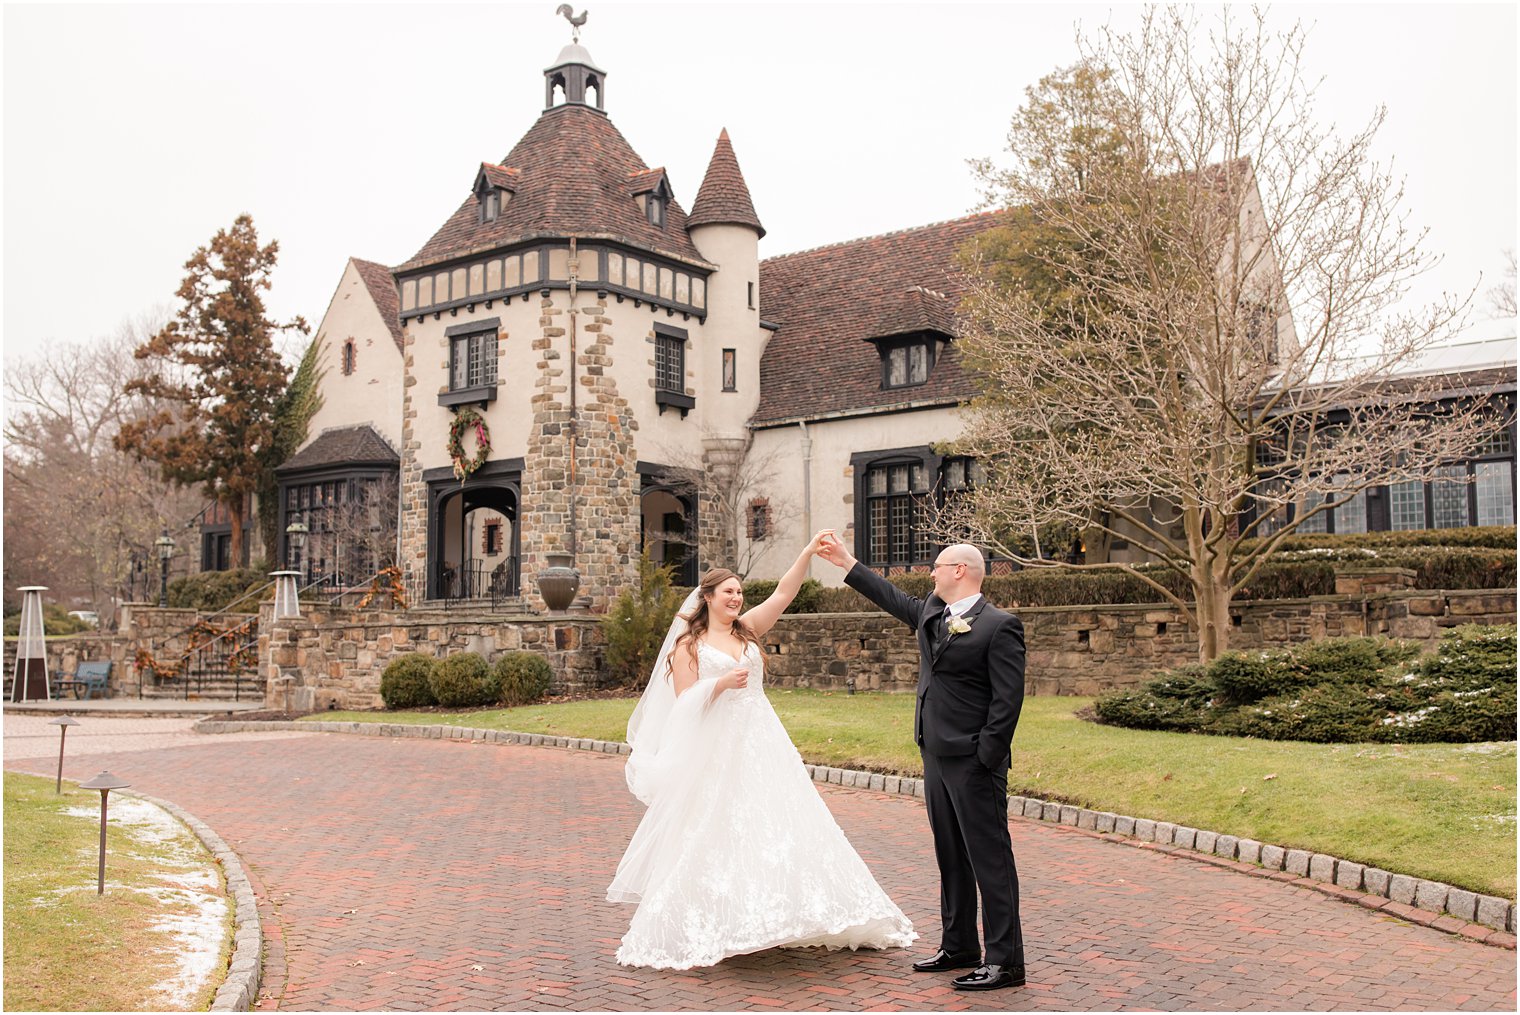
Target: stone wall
1084, 651
605, 518
163, 631
333, 657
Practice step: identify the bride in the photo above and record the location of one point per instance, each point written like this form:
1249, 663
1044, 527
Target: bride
737, 852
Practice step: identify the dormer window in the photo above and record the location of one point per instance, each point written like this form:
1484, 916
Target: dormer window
493, 189
907, 362
654, 208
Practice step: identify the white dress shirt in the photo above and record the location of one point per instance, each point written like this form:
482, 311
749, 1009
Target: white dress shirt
960, 606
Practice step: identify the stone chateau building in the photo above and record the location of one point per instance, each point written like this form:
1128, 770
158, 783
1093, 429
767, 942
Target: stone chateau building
644, 378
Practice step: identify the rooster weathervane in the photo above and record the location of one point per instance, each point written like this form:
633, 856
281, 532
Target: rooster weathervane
576, 20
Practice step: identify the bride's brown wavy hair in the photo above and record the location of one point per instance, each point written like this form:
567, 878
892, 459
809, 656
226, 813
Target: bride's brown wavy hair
697, 622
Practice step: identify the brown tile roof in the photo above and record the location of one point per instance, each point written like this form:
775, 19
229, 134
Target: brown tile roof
724, 197
644, 180
498, 176
830, 300
913, 310
382, 289
349, 445
573, 169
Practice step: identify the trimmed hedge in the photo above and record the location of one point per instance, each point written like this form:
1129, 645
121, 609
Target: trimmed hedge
463, 680
210, 591
55, 620
522, 678
1297, 575
1346, 690
406, 681
806, 600
1495, 537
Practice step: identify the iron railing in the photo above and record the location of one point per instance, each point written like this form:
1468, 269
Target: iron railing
475, 582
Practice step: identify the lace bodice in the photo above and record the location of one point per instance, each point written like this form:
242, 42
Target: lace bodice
713, 662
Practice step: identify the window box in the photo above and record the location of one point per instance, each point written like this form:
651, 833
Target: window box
482, 394
675, 400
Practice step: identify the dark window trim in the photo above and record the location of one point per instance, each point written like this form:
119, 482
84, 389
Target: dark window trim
861, 463
350, 357
729, 368
526, 288
485, 324
470, 394
886, 346
678, 339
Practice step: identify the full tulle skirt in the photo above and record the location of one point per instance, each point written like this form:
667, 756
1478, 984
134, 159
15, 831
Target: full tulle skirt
738, 853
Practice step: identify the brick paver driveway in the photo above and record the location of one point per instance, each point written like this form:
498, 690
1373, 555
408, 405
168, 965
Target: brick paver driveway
427, 874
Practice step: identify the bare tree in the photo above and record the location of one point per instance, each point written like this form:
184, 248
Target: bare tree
359, 535
726, 479
1501, 298
1219, 263
77, 510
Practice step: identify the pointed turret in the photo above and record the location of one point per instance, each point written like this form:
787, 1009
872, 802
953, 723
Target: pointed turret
723, 198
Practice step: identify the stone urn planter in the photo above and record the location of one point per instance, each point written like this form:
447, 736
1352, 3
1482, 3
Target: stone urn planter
558, 582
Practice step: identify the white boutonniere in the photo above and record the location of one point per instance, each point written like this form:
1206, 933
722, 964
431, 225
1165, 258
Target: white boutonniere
958, 625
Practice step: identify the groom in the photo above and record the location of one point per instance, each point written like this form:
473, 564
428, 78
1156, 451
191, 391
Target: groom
970, 689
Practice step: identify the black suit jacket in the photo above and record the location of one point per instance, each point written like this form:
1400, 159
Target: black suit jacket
971, 690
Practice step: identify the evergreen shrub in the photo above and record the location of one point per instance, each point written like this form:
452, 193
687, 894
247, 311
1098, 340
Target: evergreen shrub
637, 622
211, 591
463, 680
1496, 537
55, 620
523, 677
807, 600
406, 681
1345, 690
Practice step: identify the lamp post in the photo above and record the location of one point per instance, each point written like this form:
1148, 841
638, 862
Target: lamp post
165, 546
105, 782
295, 536
63, 722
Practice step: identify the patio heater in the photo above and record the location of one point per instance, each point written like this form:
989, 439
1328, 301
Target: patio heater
30, 679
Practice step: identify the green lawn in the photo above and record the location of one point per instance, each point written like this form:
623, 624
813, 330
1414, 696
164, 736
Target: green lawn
1444, 812
68, 949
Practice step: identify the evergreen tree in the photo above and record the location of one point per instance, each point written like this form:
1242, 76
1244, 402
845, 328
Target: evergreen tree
216, 366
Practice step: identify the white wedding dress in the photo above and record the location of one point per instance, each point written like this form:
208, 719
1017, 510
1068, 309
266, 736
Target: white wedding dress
737, 852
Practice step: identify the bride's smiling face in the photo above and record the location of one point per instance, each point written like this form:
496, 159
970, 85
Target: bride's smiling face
726, 601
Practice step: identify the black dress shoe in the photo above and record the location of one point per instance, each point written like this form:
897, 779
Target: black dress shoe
943, 960
989, 977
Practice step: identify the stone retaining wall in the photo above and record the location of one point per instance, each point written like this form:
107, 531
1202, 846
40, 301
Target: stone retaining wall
333, 657
1087, 650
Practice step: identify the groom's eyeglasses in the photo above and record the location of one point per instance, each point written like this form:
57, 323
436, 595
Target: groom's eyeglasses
943, 563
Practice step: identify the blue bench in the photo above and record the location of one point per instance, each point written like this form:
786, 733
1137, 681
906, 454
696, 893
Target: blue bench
89, 678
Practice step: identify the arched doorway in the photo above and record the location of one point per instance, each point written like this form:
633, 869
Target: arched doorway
668, 529
474, 545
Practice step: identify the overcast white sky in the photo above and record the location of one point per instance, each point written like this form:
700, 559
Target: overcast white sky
133, 132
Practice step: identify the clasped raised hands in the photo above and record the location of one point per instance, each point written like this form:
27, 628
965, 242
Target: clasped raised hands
831, 548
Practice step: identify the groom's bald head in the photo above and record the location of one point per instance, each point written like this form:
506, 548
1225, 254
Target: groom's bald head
958, 572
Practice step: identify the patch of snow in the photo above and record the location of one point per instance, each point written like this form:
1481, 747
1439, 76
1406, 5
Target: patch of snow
192, 886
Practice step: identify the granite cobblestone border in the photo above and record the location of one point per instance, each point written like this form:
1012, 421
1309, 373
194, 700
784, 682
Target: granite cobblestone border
241, 987
1486, 918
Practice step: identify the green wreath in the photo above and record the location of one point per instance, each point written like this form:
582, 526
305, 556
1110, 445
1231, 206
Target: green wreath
464, 467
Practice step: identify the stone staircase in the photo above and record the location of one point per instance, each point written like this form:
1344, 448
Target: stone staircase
217, 688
